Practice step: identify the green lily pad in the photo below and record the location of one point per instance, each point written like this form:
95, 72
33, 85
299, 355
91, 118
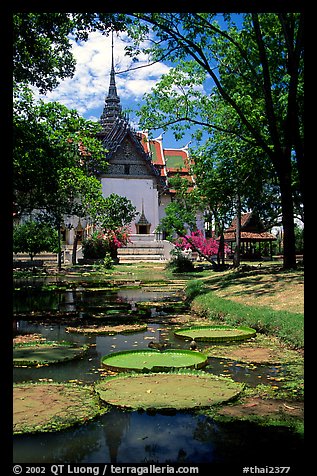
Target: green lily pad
215, 333
45, 353
182, 390
154, 360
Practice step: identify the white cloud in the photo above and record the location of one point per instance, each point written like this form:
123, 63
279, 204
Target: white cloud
87, 89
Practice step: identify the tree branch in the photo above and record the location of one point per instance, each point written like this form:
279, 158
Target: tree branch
206, 124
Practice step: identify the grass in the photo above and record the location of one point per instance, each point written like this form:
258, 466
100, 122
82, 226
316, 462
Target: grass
268, 299
286, 325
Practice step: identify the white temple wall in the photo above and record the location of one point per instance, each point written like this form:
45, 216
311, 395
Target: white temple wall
135, 190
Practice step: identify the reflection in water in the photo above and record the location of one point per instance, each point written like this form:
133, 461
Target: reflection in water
115, 426
139, 437
121, 437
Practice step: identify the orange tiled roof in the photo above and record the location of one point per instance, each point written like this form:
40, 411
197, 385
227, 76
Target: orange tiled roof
170, 162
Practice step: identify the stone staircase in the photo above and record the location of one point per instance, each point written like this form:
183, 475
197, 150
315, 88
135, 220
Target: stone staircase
145, 248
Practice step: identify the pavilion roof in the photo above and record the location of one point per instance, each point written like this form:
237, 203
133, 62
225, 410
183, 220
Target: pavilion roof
252, 229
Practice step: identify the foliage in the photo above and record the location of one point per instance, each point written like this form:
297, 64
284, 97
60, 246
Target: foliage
33, 237
107, 262
51, 141
181, 214
115, 212
95, 247
42, 44
299, 239
55, 158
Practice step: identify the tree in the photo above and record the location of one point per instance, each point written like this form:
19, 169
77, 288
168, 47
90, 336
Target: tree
115, 212
180, 220
56, 157
114, 215
47, 138
257, 70
233, 177
33, 238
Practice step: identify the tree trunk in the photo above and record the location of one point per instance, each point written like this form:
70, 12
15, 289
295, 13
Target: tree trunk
74, 252
59, 249
236, 257
289, 251
221, 250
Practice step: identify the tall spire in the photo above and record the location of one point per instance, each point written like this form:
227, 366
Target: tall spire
112, 108
112, 94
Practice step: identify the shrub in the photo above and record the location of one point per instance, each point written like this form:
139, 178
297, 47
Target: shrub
207, 246
194, 288
179, 263
95, 247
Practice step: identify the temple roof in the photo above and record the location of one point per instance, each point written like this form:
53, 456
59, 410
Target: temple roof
170, 162
116, 130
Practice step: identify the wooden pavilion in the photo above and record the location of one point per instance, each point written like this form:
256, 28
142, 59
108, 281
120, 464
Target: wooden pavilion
252, 232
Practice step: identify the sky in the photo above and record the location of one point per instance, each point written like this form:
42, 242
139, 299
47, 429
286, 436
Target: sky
87, 90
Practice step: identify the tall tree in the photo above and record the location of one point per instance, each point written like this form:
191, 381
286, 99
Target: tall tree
56, 157
256, 68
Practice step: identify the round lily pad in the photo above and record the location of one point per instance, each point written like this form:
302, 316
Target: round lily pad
45, 353
109, 330
45, 407
216, 333
183, 390
154, 360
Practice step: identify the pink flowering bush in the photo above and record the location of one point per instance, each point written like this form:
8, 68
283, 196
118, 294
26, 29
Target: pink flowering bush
99, 244
207, 246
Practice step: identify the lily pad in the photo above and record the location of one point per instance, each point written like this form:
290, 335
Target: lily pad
47, 407
109, 330
216, 333
45, 353
154, 360
182, 390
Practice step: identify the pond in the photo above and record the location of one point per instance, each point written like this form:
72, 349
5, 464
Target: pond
137, 436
